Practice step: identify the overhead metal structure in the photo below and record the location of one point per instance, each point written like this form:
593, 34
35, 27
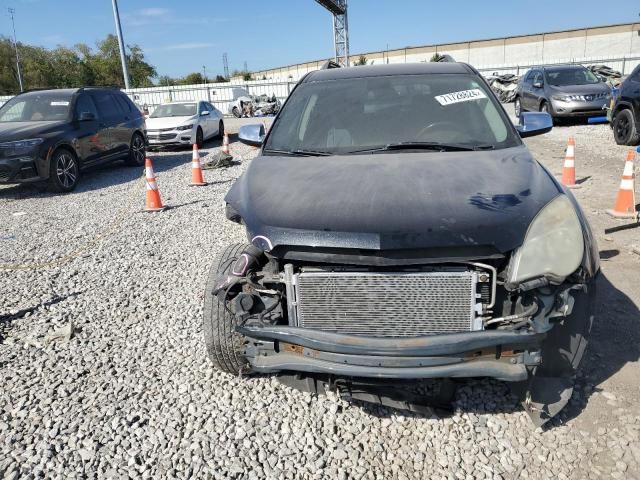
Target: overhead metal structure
340, 29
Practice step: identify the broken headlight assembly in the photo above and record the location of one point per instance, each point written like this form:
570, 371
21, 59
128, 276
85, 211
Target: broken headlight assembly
553, 246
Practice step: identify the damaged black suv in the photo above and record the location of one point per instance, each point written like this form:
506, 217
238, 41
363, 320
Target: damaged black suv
398, 228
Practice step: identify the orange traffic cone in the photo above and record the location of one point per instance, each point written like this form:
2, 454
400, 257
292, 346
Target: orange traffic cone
569, 169
225, 143
197, 180
153, 203
625, 206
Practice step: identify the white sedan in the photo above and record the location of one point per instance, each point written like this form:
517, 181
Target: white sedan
184, 123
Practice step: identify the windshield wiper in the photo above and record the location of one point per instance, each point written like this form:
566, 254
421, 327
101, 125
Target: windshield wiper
437, 146
299, 153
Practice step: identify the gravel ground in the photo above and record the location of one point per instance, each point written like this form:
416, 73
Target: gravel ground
104, 372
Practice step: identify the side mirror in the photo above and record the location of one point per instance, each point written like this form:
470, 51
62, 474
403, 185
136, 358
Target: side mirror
252, 134
206, 112
534, 123
538, 84
86, 117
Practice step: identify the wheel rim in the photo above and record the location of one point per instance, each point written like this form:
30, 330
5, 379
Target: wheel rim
545, 108
622, 128
66, 170
138, 149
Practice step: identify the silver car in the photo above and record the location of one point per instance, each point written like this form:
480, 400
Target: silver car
562, 91
184, 123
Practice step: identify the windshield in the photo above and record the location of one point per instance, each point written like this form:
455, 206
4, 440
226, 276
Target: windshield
560, 77
36, 106
351, 115
175, 110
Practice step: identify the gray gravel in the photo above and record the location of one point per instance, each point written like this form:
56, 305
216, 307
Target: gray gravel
104, 372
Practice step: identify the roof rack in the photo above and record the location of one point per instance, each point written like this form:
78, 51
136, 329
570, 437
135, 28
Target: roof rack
330, 64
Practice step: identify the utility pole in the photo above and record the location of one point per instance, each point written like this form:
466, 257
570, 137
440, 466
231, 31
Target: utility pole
225, 63
15, 44
204, 73
123, 58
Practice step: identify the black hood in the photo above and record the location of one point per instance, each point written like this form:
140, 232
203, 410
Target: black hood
393, 201
11, 131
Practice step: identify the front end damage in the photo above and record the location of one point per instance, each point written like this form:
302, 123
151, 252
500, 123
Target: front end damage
379, 315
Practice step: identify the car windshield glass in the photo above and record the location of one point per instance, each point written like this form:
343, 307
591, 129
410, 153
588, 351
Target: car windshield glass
353, 115
37, 107
175, 110
560, 77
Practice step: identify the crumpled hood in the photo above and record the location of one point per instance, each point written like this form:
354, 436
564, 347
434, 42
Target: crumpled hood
11, 131
395, 200
166, 122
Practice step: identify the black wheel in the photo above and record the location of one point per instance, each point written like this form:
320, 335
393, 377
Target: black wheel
236, 112
63, 171
137, 152
224, 346
199, 138
625, 130
517, 106
220, 129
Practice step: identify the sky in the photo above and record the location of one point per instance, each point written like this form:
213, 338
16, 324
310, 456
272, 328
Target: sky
179, 37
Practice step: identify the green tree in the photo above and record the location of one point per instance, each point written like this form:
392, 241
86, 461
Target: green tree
193, 78
436, 57
221, 79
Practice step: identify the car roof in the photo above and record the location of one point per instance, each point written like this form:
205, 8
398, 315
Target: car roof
563, 67
181, 102
388, 70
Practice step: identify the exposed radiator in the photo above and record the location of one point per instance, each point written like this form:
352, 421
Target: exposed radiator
384, 304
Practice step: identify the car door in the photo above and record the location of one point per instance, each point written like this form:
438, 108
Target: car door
109, 113
204, 119
93, 141
537, 90
214, 118
125, 122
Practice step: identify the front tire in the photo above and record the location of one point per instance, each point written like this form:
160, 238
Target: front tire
517, 106
225, 347
220, 129
236, 112
625, 130
199, 138
137, 152
63, 171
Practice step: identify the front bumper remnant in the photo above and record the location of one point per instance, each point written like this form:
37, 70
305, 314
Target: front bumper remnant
503, 355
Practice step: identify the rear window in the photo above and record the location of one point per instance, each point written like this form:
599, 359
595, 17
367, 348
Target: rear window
345, 115
106, 104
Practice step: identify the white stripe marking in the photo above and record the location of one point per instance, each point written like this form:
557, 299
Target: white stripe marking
626, 184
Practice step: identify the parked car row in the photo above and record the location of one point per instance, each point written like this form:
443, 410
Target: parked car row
573, 91
53, 135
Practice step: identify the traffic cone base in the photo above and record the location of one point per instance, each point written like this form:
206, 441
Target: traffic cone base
197, 179
153, 201
625, 206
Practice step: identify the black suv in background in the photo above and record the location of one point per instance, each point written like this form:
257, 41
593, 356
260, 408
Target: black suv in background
625, 113
51, 135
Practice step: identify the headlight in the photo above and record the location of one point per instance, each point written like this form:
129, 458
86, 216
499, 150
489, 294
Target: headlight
185, 127
562, 98
20, 147
553, 246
